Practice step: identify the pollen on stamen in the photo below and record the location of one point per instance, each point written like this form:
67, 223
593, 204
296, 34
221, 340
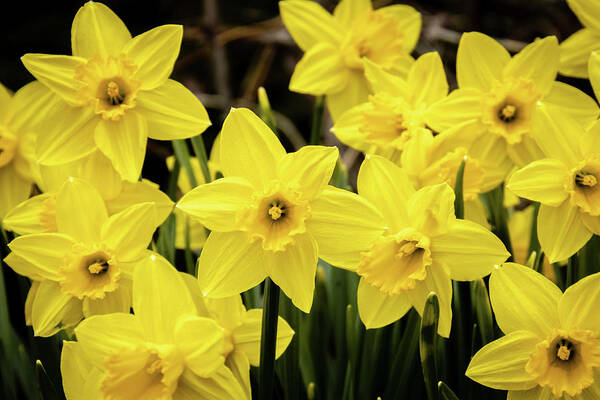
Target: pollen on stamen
507, 113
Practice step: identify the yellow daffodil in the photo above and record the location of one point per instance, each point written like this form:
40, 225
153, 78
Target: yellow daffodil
576, 49
38, 214
501, 92
166, 350
423, 247
551, 347
20, 117
274, 214
115, 92
336, 46
565, 183
85, 268
395, 111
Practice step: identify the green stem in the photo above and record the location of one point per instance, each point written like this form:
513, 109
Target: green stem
427, 345
182, 154
268, 340
459, 203
317, 120
200, 151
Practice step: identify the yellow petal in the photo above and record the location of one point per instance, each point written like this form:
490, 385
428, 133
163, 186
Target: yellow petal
427, 80
246, 337
116, 301
202, 341
556, 134
13, 190
343, 224
347, 11
432, 209
354, 93
410, 22
80, 211
377, 309
578, 307
538, 392
69, 135
479, 61
5, 100
124, 143
382, 81
30, 298
185, 224
57, 73
575, 52
140, 192
501, 363
587, 11
154, 52
229, 264
437, 281
347, 128
103, 335
130, 231
29, 107
574, 102
223, 384
320, 71
97, 31
459, 106
310, 168
524, 299
469, 250
172, 112
249, 149
228, 311
541, 181
594, 72
591, 222
160, 298
388, 188
98, 170
26, 217
50, 307
217, 204
561, 231
538, 61
238, 363
74, 369
43, 252
525, 152
294, 269
309, 23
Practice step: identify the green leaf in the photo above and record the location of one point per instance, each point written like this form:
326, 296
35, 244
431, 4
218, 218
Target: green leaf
427, 344
483, 311
445, 392
459, 203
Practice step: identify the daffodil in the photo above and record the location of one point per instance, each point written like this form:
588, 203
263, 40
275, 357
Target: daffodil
565, 183
501, 93
20, 116
165, 350
575, 50
551, 347
395, 112
422, 248
273, 214
337, 45
38, 214
115, 92
86, 267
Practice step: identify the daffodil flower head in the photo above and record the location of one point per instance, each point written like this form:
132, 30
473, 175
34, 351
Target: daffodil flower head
86, 267
575, 50
421, 250
551, 347
338, 46
273, 214
114, 92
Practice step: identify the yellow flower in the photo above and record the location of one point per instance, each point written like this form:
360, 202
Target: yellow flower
274, 214
552, 345
565, 183
395, 112
423, 247
166, 350
116, 92
38, 214
576, 49
336, 45
19, 120
86, 267
501, 92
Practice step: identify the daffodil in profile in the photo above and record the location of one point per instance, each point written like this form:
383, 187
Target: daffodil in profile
501, 92
274, 214
566, 183
576, 49
165, 350
38, 213
337, 45
551, 347
86, 266
422, 248
114, 92
20, 116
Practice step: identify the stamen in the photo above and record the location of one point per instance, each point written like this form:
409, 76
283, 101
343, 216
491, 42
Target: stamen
98, 267
115, 97
408, 248
564, 350
154, 367
508, 113
583, 178
276, 211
